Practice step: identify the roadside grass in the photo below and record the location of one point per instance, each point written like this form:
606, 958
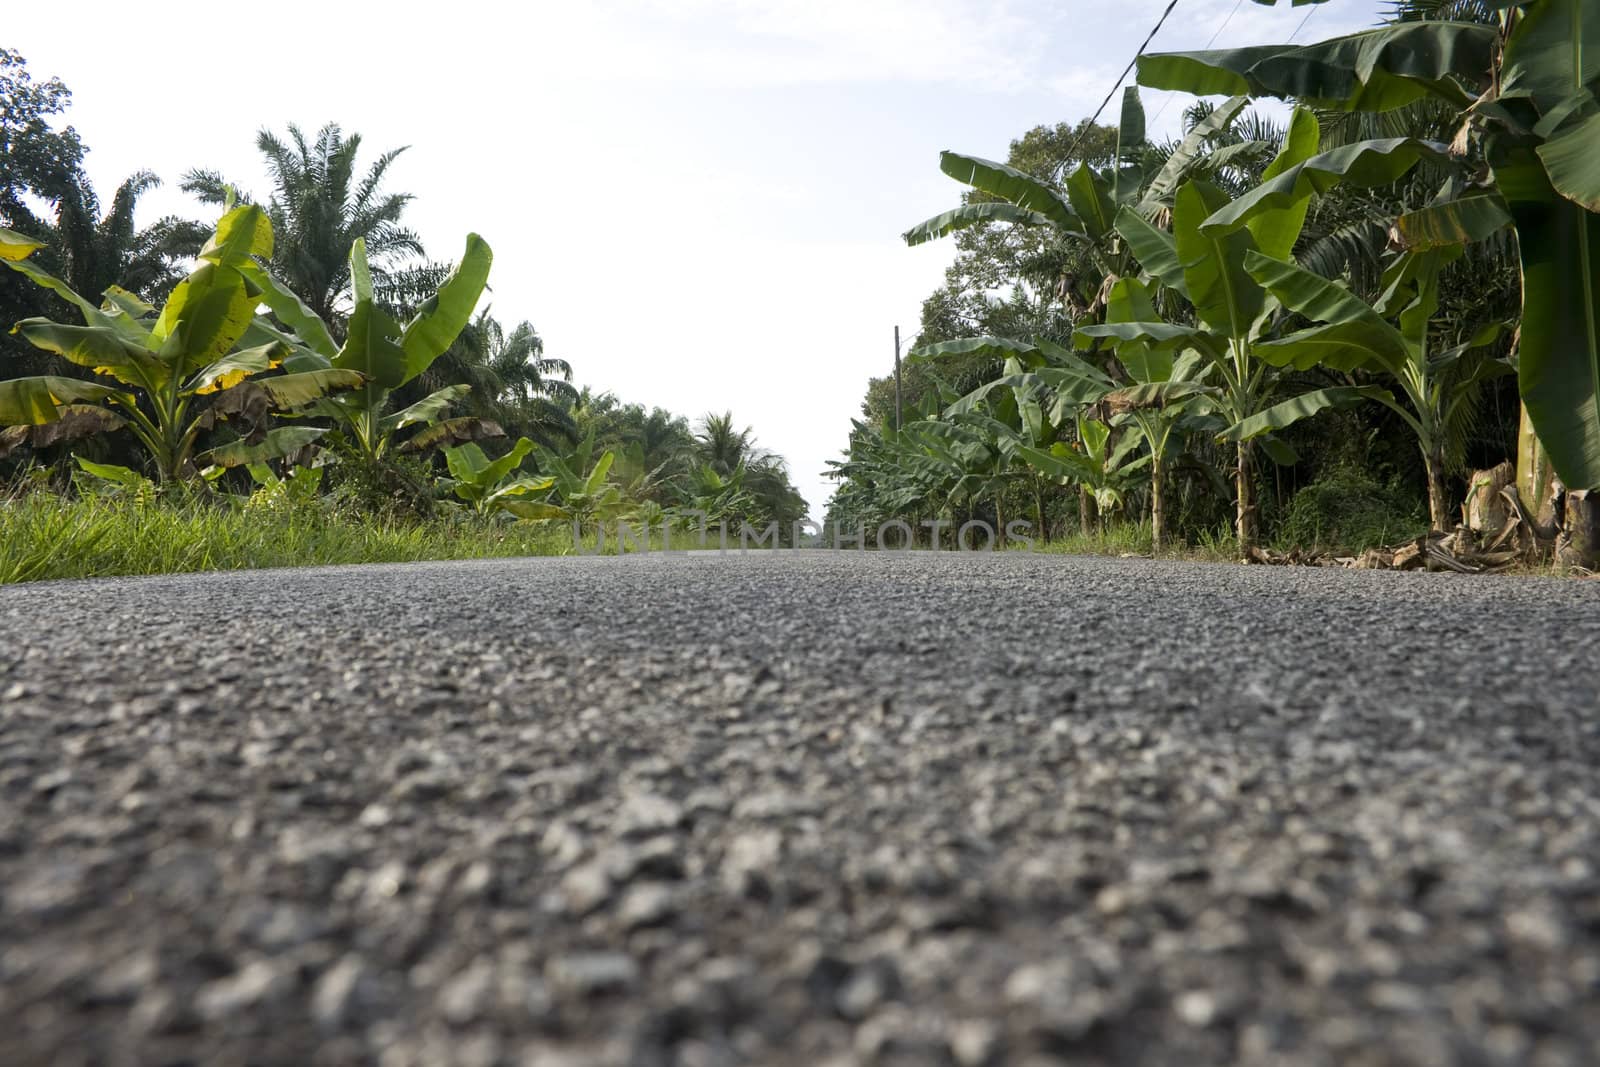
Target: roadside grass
45, 536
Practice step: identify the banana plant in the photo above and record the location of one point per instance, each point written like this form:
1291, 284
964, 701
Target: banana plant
1167, 394
579, 491
1233, 313
1353, 336
388, 355
1528, 89
1041, 390
494, 485
176, 370
1094, 461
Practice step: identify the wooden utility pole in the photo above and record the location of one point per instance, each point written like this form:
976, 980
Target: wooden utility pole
897, 379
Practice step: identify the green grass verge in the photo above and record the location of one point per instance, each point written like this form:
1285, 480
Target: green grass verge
44, 536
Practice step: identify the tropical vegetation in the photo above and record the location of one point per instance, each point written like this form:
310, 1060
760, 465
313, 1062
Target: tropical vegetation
1390, 289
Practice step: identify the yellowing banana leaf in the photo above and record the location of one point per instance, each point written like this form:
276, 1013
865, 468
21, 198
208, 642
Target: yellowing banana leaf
15, 247
466, 428
37, 401
234, 368
204, 317
296, 390
100, 348
243, 232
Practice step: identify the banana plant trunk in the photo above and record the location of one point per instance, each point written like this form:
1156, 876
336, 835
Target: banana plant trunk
1245, 518
1158, 506
1088, 514
1438, 492
1536, 486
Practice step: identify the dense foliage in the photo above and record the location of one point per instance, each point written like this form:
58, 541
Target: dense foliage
307, 350
1394, 288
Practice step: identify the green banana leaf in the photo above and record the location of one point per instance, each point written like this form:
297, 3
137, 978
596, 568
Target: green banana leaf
1224, 297
1355, 336
1193, 145
111, 472
428, 409
204, 317
1377, 70
243, 232
36, 401
292, 311
98, 347
1091, 201
1456, 220
1277, 229
1303, 406
1366, 163
1012, 186
1155, 249
446, 313
971, 215
1558, 367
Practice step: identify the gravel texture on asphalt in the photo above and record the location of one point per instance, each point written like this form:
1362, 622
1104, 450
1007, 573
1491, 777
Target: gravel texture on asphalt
800, 808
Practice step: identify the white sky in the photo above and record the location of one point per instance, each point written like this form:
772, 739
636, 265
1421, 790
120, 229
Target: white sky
696, 202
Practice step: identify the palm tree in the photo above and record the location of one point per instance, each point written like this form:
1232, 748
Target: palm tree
723, 446
318, 209
513, 382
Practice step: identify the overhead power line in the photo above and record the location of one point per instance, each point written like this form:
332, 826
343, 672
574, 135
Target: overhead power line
1237, 4
1162, 21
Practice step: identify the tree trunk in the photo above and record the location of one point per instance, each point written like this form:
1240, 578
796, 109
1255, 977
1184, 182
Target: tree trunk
1158, 507
1000, 522
1245, 519
1038, 512
1579, 542
1438, 492
1536, 477
1087, 512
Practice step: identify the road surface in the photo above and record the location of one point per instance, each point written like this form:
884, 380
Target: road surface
813, 808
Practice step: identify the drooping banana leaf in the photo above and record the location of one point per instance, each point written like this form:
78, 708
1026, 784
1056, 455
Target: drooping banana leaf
971, 215
97, 347
278, 443
1355, 335
1303, 406
1366, 163
1012, 186
37, 401
428, 409
1376, 70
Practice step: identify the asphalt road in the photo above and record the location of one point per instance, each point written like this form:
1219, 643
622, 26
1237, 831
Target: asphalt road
800, 809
